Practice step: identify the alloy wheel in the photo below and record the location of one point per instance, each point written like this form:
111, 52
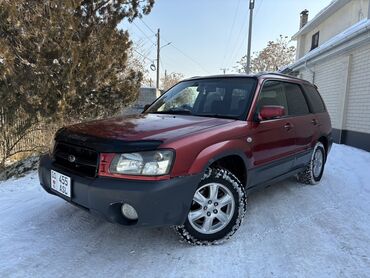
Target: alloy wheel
212, 208
318, 162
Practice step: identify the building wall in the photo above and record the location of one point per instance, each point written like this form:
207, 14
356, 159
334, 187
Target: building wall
344, 84
358, 107
301, 45
342, 19
307, 74
329, 78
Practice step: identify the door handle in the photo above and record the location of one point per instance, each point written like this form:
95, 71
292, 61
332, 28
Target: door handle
314, 122
288, 126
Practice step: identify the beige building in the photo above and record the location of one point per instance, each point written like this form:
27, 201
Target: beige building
333, 52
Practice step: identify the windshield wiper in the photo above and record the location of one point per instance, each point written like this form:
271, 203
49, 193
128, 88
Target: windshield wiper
218, 116
174, 111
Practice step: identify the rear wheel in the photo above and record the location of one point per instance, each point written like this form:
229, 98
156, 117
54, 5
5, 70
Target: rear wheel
217, 209
313, 172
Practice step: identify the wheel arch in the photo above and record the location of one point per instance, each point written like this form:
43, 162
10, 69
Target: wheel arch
225, 155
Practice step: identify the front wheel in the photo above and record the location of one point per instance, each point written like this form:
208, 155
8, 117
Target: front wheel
217, 209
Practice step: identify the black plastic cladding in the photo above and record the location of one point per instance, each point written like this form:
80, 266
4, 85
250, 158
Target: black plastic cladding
105, 145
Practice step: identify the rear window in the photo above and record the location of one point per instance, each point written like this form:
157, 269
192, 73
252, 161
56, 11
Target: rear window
314, 99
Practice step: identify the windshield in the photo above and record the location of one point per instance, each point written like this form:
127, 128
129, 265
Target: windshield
220, 98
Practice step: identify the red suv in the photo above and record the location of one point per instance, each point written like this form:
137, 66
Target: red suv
190, 159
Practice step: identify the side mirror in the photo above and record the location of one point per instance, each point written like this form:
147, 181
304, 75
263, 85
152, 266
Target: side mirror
146, 106
269, 112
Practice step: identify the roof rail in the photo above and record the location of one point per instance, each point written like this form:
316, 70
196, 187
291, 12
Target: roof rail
279, 74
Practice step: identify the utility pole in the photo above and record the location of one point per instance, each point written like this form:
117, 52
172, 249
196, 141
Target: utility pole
251, 7
158, 57
224, 70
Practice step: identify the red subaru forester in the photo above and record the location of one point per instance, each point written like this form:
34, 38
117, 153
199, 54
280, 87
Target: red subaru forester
190, 159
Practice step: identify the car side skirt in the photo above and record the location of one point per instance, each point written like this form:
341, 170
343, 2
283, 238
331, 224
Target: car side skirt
266, 175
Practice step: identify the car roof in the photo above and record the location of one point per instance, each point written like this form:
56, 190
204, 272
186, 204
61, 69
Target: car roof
261, 75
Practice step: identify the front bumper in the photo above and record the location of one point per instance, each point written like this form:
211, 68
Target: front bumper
158, 203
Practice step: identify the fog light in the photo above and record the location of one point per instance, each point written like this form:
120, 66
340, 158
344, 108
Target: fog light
129, 212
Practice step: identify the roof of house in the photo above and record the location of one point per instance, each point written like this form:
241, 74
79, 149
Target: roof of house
334, 6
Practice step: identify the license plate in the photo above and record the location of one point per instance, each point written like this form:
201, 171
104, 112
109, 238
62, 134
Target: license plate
61, 183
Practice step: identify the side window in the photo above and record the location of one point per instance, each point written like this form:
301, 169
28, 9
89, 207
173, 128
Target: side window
272, 93
297, 104
285, 94
314, 99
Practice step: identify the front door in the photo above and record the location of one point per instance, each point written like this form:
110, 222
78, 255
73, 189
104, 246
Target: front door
273, 141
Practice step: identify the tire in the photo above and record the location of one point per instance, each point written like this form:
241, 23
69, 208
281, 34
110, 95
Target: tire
313, 172
217, 209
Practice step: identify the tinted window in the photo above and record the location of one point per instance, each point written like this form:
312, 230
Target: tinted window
285, 94
272, 93
297, 104
314, 99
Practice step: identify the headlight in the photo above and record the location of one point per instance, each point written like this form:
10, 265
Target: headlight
153, 163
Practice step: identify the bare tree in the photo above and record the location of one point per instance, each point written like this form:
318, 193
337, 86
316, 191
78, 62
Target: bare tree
168, 80
274, 56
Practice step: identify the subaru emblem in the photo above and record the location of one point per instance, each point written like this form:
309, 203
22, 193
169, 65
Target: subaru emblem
71, 158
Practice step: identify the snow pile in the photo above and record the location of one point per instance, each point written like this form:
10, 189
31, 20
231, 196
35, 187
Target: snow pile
289, 230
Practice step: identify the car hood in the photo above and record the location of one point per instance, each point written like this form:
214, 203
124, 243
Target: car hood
146, 126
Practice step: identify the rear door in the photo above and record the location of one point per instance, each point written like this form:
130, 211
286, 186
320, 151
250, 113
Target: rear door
317, 107
305, 123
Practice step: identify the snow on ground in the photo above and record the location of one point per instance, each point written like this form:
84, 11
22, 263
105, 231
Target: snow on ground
290, 230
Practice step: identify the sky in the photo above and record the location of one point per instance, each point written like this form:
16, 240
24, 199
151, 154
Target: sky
210, 35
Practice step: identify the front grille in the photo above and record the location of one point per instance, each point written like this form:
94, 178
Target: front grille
80, 160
